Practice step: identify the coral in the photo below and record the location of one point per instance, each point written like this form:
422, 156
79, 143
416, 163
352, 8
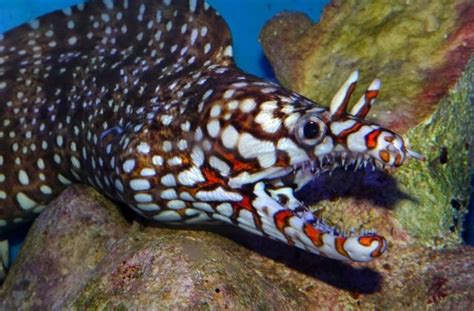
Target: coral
421, 51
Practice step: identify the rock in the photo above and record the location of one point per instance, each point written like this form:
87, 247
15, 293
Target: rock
81, 254
422, 52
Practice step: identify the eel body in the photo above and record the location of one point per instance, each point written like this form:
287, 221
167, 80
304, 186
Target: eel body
142, 101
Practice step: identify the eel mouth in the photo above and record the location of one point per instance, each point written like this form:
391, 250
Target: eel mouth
286, 218
344, 160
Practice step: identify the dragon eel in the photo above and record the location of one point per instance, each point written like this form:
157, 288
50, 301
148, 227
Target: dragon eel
142, 101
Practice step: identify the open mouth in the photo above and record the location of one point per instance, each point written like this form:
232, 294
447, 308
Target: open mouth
343, 159
285, 218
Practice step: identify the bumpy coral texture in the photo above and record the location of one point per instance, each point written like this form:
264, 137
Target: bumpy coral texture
420, 51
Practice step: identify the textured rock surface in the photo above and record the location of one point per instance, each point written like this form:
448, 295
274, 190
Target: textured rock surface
421, 51
81, 254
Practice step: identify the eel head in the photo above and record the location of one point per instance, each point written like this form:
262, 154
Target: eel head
276, 142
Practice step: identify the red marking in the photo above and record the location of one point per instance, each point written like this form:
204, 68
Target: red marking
316, 236
340, 240
371, 139
212, 178
282, 218
244, 204
371, 95
368, 240
237, 165
363, 111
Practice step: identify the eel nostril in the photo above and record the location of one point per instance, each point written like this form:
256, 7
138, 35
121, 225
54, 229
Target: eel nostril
389, 139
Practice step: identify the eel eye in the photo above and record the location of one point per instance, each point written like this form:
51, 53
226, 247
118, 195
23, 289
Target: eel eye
310, 130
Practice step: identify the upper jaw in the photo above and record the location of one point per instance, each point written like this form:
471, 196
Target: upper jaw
306, 170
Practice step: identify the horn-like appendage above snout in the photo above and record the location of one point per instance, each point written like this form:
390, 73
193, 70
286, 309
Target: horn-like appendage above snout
355, 136
337, 138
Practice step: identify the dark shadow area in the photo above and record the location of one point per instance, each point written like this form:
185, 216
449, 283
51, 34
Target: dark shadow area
357, 280
336, 273
366, 184
15, 239
375, 186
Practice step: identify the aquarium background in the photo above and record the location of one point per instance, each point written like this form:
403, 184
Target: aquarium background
245, 19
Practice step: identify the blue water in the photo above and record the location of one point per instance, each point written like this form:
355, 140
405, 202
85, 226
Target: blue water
245, 18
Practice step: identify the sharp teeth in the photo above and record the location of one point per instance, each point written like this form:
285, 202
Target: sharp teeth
358, 163
326, 160
343, 158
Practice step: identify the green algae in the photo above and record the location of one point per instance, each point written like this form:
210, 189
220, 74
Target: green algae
441, 185
395, 41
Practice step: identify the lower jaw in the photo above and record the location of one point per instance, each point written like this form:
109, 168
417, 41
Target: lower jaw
297, 225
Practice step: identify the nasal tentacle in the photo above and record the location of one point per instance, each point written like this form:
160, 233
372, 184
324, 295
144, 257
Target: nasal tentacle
362, 107
341, 99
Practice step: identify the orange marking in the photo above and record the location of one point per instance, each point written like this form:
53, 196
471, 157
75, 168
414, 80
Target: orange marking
314, 235
384, 155
368, 240
340, 240
371, 139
